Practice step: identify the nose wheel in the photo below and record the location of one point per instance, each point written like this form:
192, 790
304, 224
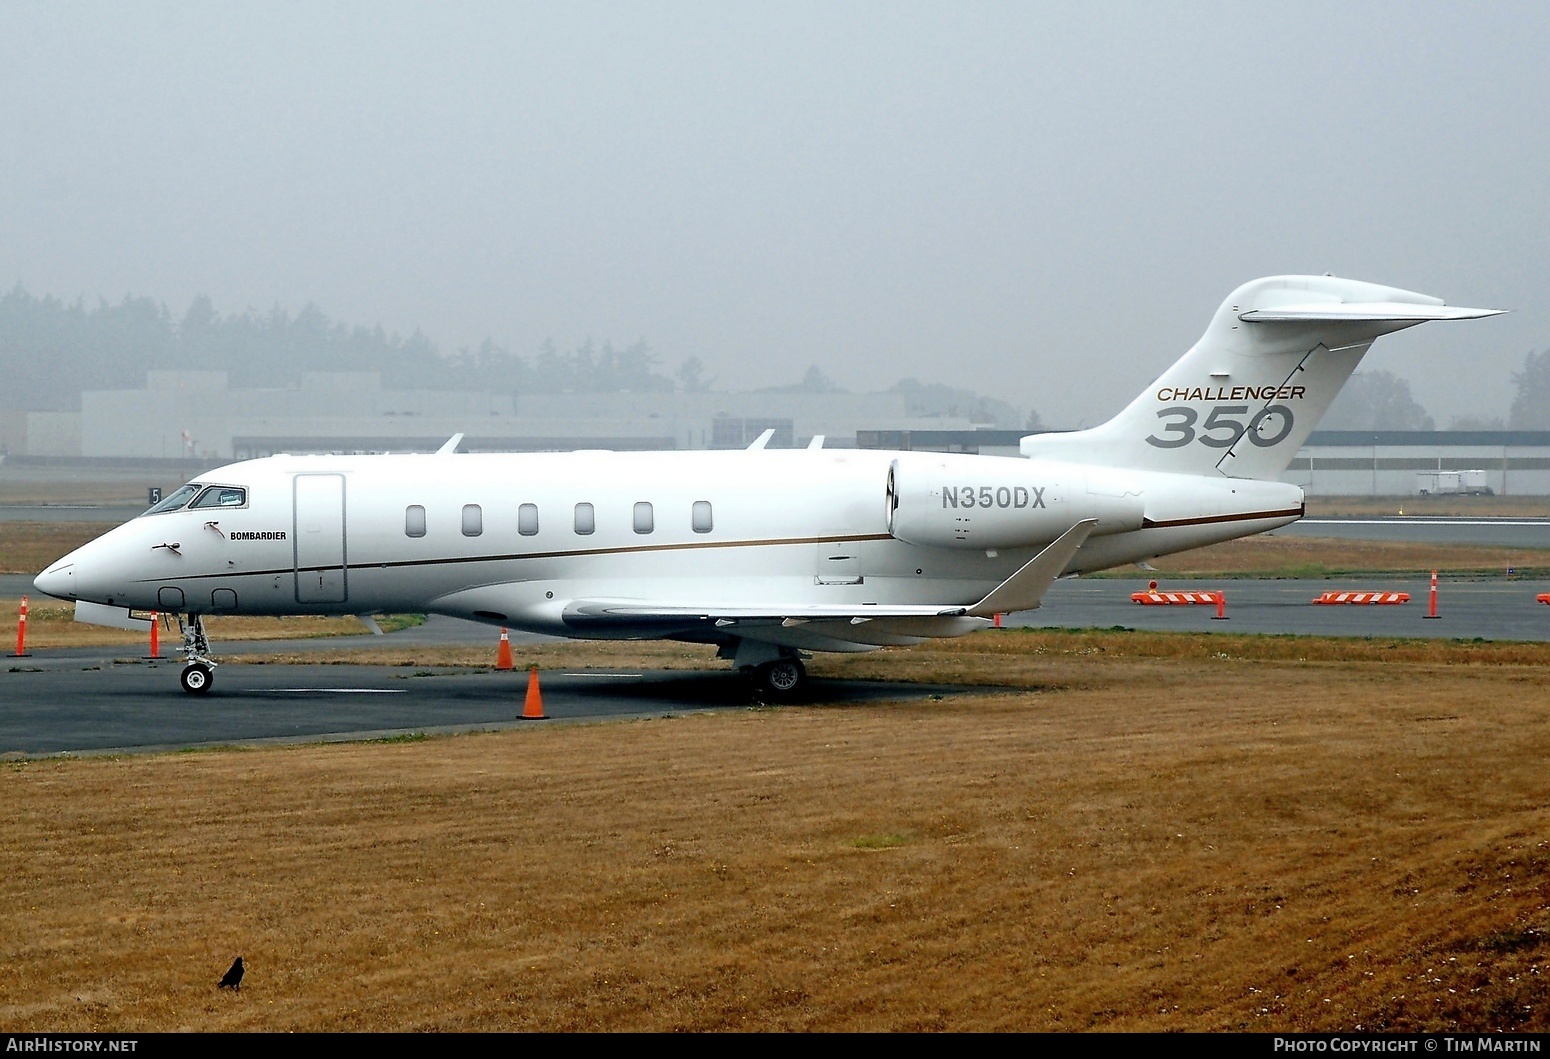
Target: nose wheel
199, 673
197, 678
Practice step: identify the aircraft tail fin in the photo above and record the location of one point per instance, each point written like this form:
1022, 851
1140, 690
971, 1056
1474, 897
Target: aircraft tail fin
1246, 396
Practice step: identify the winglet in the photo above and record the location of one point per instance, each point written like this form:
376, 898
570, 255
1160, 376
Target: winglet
762, 440
1025, 589
451, 446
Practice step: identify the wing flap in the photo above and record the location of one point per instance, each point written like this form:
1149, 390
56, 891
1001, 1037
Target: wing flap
1022, 591
583, 611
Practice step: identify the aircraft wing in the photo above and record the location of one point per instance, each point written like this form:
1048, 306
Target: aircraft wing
1024, 590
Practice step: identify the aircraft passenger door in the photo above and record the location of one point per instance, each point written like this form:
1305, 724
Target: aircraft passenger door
319, 538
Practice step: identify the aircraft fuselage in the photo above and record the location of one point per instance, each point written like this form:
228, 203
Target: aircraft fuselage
512, 539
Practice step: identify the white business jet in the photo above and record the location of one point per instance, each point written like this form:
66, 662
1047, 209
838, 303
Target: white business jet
769, 554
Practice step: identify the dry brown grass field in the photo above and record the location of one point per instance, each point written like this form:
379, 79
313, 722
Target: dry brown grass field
1283, 556
115, 494
51, 623
1126, 832
29, 547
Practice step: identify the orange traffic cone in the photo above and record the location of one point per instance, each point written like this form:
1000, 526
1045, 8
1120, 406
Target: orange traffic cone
155, 655
503, 656
533, 708
21, 632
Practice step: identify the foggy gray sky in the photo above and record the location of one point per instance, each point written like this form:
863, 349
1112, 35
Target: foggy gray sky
1041, 202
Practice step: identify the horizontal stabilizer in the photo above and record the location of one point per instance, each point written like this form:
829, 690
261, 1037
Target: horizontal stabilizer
1025, 589
1363, 312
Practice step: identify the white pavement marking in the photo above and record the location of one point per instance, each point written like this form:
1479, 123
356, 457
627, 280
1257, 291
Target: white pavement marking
334, 691
1415, 521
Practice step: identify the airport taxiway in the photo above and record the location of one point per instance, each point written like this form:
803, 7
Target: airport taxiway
94, 699
54, 708
1496, 609
90, 699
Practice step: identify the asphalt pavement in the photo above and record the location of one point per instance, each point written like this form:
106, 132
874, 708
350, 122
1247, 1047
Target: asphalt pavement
111, 515
88, 699
99, 698
1497, 609
57, 705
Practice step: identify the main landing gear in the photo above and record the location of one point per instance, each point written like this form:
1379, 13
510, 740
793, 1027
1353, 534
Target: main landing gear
199, 670
781, 678
776, 672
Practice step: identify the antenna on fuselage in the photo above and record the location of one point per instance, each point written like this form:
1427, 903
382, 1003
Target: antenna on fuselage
451, 446
762, 440
817, 442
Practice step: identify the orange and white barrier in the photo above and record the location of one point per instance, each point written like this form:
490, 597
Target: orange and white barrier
1152, 597
1362, 597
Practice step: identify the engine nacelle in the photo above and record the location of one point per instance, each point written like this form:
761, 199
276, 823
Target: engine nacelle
947, 501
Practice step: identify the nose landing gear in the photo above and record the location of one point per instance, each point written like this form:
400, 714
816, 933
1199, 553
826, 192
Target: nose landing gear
199, 669
197, 678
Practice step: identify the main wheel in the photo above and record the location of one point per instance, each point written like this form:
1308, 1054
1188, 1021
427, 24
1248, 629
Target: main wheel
782, 677
197, 678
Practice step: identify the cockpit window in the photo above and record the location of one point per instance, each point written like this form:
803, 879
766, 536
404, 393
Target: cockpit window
175, 501
222, 496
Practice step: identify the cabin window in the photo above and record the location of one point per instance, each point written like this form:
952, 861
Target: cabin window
527, 520
222, 496
586, 522
414, 521
473, 520
702, 521
175, 501
645, 521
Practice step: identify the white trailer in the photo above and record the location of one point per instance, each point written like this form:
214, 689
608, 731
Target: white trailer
1452, 483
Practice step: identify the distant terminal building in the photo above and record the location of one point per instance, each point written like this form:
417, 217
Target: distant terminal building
197, 414
1406, 462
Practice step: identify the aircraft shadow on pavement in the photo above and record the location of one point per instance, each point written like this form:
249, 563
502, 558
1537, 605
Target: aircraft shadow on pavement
705, 690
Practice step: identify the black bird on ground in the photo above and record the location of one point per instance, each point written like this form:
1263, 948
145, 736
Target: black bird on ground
233, 977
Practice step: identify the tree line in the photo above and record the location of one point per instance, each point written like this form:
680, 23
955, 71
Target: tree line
50, 350
1381, 400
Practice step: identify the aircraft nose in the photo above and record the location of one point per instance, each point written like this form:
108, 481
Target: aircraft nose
57, 581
